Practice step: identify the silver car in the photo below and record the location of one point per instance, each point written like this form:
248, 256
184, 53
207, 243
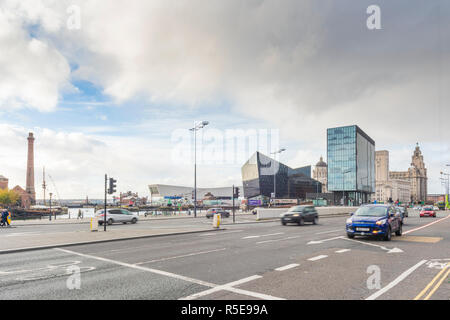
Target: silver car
117, 216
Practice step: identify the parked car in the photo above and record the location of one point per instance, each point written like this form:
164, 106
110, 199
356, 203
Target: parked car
211, 212
300, 215
428, 212
117, 216
375, 220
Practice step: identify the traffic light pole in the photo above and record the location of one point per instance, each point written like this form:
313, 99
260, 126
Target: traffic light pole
104, 216
234, 218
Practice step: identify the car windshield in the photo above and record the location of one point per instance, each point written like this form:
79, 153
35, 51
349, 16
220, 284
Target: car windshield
296, 209
427, 209
371, 212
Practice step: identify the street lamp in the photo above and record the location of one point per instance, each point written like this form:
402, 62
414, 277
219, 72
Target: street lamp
274, 175
197, 127
343, 185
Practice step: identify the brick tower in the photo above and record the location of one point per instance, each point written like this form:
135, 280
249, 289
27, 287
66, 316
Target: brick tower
30, 169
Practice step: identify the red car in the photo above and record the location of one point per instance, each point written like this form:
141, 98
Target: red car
428, 212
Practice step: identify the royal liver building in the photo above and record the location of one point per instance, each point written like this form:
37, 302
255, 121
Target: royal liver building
417, 176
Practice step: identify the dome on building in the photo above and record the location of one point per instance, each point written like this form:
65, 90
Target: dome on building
321, 163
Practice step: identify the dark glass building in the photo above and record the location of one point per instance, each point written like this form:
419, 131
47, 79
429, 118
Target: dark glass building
351, 164
263, 176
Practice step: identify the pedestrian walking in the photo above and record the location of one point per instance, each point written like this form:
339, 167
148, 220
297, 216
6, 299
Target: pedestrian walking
79, 214
5, 221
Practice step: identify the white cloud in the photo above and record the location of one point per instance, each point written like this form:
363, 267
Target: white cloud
33, 72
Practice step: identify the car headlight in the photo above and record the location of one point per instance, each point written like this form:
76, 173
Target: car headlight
296, 215
381, 222
349, 221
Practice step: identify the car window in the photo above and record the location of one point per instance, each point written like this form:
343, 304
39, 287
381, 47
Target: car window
371, 211
114, 212
125, 212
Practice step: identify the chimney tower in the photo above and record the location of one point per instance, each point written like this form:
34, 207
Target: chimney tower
30, 169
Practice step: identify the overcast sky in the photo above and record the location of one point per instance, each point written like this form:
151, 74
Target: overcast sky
118, 92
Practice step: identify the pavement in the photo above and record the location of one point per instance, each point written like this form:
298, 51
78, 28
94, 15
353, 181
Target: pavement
246, 261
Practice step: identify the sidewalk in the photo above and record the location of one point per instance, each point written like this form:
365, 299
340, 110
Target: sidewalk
31, 241
88, 220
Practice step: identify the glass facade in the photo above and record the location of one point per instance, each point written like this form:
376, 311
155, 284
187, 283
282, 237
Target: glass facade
263, 176
351, 164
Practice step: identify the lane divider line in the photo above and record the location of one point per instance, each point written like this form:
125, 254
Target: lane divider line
282, 239
427, 225
182, 256
289, 266
399, 279
217, 233
431, 283
264, 235
343, 250
318, 258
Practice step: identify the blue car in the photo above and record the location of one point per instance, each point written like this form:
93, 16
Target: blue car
375, 220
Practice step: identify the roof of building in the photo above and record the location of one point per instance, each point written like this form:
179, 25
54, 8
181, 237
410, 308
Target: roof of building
321, 163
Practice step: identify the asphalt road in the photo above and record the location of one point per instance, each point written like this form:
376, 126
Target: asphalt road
245, 261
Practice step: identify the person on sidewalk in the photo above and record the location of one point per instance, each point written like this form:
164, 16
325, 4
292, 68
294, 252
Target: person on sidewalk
79, 214
5, 215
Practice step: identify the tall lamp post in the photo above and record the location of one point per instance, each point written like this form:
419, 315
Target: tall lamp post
51, 194
274, 173
343, 185
197, 127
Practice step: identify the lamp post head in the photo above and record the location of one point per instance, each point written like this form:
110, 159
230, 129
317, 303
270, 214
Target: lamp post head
205, 123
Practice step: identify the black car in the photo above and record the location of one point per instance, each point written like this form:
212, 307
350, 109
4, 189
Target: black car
211, 212
300, 215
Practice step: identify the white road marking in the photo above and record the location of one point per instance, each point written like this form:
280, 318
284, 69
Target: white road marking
396, 281
264, 235
230, 287
394, 250
427, 225
331, 231
227, 287
282, 239
124, 264
343, 250
289, 266
218, 233
182, 256
325, 240
318, 257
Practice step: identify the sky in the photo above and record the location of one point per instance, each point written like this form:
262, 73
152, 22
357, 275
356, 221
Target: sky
113, 87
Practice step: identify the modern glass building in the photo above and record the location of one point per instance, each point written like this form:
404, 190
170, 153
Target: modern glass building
351, 164
262, 176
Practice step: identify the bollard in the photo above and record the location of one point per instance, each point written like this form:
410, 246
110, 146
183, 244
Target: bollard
94, 224
216, 220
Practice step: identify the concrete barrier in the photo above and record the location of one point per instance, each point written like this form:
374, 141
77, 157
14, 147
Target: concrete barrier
271, 213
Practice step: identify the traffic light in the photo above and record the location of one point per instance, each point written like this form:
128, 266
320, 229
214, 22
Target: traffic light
236, 193
112, 186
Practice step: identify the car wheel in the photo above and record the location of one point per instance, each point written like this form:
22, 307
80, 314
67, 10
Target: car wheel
301, 222
316, 220
133, 221
399, 231
388, 235
110, 221
124, 222
283, 223
350, 235
100, 223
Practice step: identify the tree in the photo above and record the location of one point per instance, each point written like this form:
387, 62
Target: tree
9, 197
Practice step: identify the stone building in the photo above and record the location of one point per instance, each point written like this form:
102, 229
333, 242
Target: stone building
388, 188
416, 175
320, 174
3, 182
